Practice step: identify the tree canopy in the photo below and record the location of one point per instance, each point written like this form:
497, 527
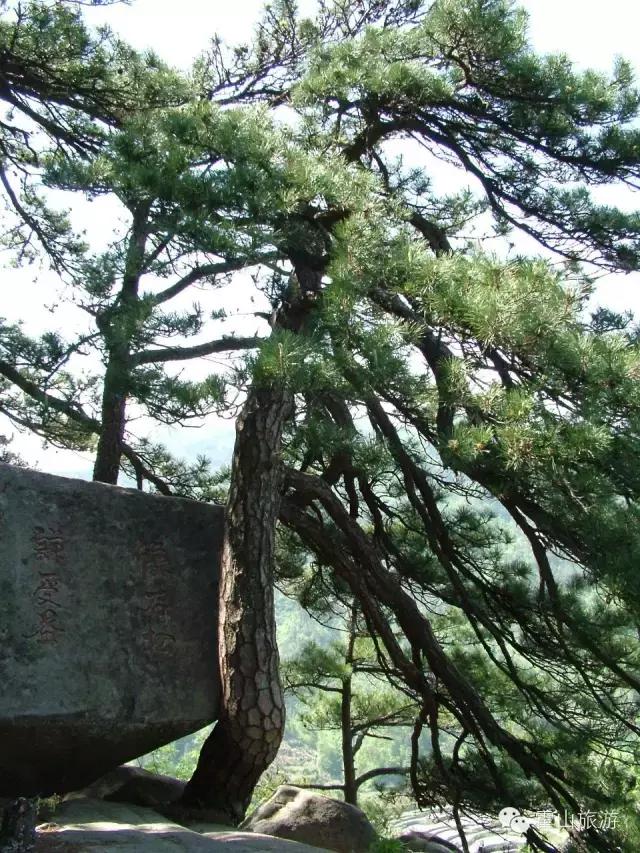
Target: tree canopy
440, 429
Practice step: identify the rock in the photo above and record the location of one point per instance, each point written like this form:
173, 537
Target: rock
108, 618
134, 785
18, 826
418, 844
304, 816
83, 825
254, 842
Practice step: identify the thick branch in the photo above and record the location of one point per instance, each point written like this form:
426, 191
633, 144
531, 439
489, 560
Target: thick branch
207, 271
65, 407
381, 771
416, 627
226, 344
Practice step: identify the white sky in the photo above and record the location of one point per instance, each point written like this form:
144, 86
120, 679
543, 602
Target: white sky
591, 32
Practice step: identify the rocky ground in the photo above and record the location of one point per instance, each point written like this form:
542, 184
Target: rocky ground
87, 825
133, 811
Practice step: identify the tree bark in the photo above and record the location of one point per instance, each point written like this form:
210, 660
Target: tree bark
348, 763
246, 738
118, 324
348, 753
113, 418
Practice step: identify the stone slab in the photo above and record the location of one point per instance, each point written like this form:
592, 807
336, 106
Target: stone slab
108, 626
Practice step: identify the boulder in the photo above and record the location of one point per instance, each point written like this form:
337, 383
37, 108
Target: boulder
418, 844
134, 785
303, 816
108, 627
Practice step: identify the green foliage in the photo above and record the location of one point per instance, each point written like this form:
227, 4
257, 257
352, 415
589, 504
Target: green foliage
295, 363
7, 455
195, 480
176, 759
522, 122
341, 687
47, 807
384, 806
388, 845
461, 445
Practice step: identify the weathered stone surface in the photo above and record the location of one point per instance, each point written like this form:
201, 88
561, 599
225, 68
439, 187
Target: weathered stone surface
300, 815
18, 826
108, 627
85, 826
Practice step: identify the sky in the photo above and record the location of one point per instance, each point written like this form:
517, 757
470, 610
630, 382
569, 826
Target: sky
591, 32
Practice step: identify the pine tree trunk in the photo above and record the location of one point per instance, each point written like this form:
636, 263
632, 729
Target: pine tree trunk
118, 324
348, 752
348, 760
246, 738
113, 418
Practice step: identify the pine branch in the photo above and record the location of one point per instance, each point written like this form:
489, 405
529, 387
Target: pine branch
309, 787
31, 223
311, 685
65, 407
207, 271
75, 413
379, 587
226, 344
381, 771
393, 718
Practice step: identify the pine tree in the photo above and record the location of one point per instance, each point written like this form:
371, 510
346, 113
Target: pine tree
344, 688
419, 404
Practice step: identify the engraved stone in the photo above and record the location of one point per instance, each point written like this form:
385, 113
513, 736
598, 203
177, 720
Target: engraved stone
108, 627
